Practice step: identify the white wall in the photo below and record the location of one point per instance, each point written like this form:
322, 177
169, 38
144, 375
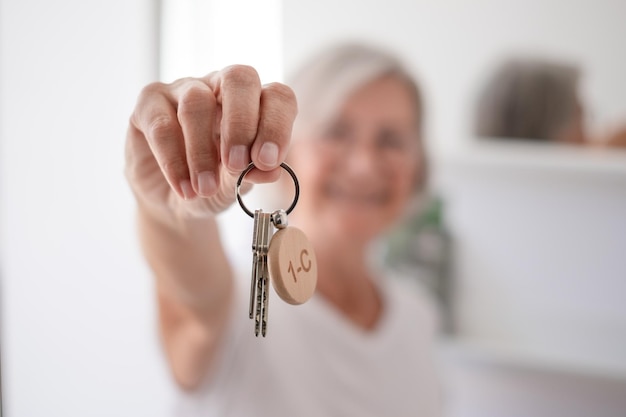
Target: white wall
453, 43
79, 337
200, 36
539, 233
539, 312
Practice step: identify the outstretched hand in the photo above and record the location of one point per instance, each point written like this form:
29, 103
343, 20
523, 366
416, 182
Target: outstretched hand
188, 141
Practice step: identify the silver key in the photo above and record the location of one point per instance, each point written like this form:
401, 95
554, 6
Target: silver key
259, 286
266, 228
254, 274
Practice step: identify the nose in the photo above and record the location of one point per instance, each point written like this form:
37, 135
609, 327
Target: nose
362, 160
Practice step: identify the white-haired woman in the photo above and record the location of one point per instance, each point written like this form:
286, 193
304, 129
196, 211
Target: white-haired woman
362, 345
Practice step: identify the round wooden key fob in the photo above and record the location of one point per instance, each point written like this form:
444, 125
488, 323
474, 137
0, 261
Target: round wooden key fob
292, 265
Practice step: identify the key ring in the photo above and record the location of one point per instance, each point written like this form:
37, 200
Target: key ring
283, 166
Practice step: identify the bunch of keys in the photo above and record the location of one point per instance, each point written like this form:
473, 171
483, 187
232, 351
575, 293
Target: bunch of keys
285, 257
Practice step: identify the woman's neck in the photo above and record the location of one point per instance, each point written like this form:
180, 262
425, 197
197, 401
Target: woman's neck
346, 281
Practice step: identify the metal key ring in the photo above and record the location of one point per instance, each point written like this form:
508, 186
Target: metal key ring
283, 166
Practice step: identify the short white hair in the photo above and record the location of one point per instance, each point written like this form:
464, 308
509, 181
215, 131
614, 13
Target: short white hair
324, 82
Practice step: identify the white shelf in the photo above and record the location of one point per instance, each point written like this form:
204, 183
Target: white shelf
500, 356
537, 157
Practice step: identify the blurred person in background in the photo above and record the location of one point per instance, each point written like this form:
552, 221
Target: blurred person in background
536, 100
362, 345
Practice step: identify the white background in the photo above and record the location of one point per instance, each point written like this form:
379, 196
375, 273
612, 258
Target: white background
77, 305
77, 308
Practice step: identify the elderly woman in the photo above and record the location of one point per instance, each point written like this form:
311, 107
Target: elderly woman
362, 345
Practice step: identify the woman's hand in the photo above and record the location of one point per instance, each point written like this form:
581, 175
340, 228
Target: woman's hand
188, 141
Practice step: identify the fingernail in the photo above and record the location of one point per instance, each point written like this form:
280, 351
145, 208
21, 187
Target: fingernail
238, 157
269, 154
187, 189
206, 183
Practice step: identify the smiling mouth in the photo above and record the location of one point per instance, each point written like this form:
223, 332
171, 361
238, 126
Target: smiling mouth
358, 197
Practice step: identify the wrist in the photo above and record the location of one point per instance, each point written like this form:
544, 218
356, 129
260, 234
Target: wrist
185, 255
172, 219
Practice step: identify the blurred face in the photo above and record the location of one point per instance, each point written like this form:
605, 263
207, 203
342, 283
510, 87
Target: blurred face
359, 171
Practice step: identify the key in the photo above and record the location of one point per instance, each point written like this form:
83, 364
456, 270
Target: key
291, 261
266, 228
259, 281
254, 274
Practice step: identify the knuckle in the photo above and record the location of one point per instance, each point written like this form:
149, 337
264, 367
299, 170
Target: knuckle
281, 92
195, 98
181, 81
146, 95
161, 127
240, 76
150, 90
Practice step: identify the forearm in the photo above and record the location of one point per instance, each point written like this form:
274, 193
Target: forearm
194, 286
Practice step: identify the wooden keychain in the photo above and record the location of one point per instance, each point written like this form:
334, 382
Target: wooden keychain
285, 258
291, 260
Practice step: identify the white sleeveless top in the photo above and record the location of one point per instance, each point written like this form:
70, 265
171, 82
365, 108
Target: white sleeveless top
315, 363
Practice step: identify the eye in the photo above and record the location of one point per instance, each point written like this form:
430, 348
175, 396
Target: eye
392, 139
338, 131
